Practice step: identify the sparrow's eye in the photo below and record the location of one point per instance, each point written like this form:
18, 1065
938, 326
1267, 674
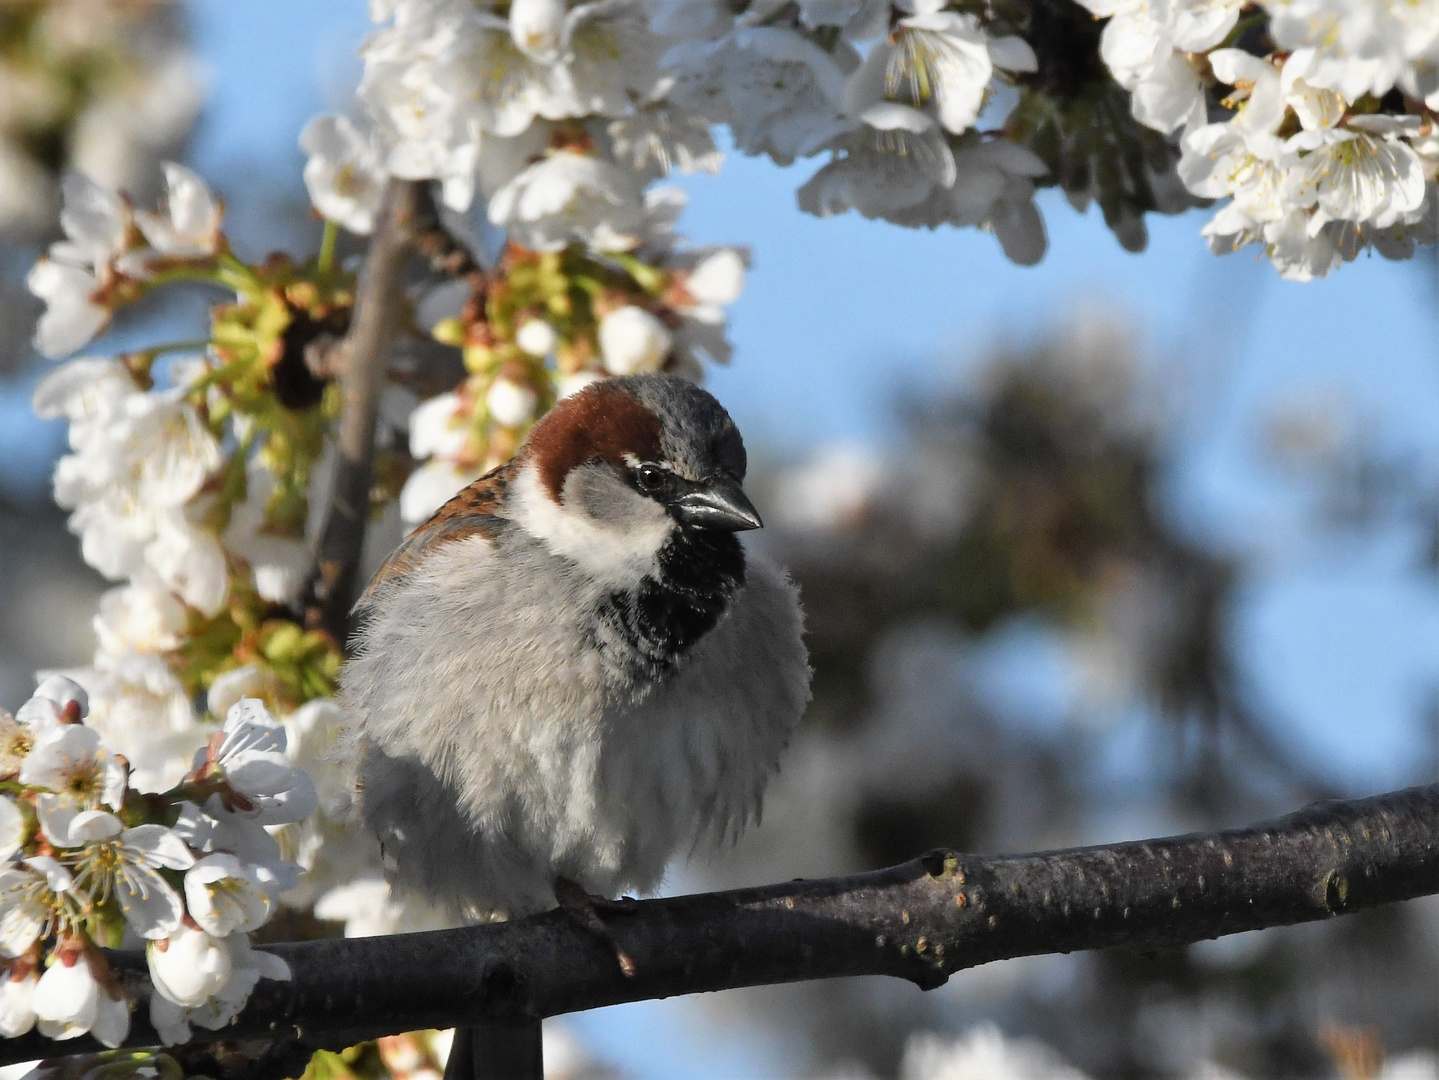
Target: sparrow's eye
650, 478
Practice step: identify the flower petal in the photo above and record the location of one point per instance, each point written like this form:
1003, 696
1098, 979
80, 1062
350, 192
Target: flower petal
150, 905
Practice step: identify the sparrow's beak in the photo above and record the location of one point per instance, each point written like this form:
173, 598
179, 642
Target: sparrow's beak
717, 504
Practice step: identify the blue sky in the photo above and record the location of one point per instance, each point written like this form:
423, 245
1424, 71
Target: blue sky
840, 314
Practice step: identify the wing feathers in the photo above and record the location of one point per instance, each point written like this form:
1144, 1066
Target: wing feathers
472, 511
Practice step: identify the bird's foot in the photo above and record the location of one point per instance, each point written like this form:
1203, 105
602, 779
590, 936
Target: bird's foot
585, 909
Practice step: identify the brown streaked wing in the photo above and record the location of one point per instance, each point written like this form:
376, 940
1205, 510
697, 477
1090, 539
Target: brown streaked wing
470, 512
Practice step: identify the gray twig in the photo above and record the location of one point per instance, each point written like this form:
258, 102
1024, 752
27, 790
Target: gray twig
922, 920
361, 359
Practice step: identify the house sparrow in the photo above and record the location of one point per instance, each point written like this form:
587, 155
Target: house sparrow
573, 670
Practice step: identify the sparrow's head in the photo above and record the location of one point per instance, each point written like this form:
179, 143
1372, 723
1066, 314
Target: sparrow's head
644, 445
617, 469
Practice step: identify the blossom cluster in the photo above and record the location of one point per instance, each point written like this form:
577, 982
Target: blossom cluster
191, 493
556, 114
91, 862
544, 323
108, 85
557, 120
1328, 147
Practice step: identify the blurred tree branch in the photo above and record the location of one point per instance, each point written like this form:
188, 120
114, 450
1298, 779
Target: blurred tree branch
922, 920
360, 363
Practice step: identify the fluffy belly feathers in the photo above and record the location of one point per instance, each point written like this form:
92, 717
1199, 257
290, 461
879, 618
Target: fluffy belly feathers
560, 776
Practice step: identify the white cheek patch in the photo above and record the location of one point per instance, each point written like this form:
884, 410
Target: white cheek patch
611, 555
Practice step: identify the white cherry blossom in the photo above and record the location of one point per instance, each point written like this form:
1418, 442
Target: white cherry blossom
439, 79
188, 966
188, 558
633, 340
1364, 172
570, 197
432, 485
69, 1001
1200, 25
143, 713
67, 998
245, 681
17, 736
895, 162
96, 223
279, 562
142, 616
12, 828
511, 403
226, 896
1170, 96
249, 753
72, 316
188, 226
17, 1000
112, 1019
609, 60
95, 220
1136, 39
717, 278
658, 138
780, 93
246, 967
536, 26
940, 56
168, 450
1352, 47
34, 897
536, 337
345, 174
70, 761
437, 428
90, 392
993, 190
65, 694
124, 863
244, 837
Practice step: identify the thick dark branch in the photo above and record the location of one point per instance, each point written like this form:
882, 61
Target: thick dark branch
361, 359
921, 921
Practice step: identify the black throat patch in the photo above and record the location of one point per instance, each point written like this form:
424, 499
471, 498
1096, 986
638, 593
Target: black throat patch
656, 624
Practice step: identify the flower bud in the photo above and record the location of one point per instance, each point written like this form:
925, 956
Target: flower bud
537, 337
718, 278
189, 966
17, 1001
112, 1019
536, 26
633, 340
511, 403
63, 691
66, 998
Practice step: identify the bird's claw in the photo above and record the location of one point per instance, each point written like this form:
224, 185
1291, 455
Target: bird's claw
585, 909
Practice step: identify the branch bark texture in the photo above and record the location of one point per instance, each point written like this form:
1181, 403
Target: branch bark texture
362, 358
922, 921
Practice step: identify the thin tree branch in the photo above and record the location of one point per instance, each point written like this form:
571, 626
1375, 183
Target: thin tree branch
361, 360
922, 920
445, 253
